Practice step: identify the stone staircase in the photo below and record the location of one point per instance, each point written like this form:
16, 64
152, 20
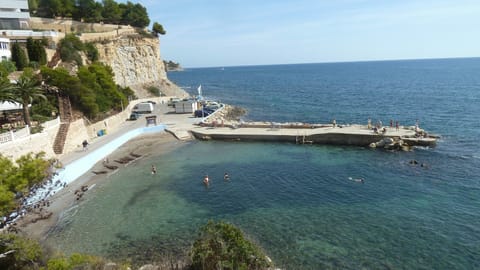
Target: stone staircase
65, 110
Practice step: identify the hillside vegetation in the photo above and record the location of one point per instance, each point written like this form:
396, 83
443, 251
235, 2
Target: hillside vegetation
91, 11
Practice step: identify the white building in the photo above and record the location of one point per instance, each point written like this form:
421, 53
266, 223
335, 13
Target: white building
14, 14
5, 53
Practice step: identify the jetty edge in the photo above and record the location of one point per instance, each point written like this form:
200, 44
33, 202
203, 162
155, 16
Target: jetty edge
301, 133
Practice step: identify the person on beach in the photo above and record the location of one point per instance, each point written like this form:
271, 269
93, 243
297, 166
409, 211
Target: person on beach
154, 169
397, 125
85, 145
226, 177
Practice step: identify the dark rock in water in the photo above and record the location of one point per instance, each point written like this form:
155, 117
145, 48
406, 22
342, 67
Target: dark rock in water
99, 172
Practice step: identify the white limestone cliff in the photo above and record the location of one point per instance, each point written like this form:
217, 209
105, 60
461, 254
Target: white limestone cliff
136, 62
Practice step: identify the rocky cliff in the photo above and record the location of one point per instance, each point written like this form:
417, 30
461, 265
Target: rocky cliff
137, 63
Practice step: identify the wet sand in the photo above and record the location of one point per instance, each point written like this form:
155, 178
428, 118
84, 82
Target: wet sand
143, 146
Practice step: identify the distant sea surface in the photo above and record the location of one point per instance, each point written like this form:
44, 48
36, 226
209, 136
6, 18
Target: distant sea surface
297, 201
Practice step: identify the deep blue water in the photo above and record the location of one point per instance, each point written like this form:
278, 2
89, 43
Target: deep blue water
296, 200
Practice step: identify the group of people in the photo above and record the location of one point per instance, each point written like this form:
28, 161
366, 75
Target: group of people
206, 179
380, 128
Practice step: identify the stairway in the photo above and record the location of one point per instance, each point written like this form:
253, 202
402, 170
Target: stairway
65, 110
60, 139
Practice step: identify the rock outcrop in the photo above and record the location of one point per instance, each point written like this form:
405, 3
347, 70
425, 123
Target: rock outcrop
136, 62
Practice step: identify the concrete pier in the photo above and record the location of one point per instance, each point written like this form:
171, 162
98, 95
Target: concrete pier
358, 135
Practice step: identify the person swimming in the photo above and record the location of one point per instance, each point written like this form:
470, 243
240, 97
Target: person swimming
359, 180
226, 177
206, 180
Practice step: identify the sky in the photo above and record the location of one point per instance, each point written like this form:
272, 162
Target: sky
218, 33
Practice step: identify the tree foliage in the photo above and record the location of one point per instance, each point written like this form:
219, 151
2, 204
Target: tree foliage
134, 14
17, 177
7, 67
92, 91
80, 96
19, 56
70, 48
158, 29
108, 11
223, 246
91, 51
26, 90
24, 253
6, 90
75, 261
36, 51
111, 12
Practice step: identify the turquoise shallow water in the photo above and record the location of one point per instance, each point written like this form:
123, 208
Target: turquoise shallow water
296, 201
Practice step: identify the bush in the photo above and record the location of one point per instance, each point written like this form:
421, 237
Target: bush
223, 246
154, 91
27, 253
29, 169
75, 261
36, 129
9, 66
91, 51
70, 47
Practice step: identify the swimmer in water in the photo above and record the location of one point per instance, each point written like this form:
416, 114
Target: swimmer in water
359, 180
226, 177
154, 169
206, 180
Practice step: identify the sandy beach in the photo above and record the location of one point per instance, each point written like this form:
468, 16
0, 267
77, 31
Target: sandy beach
35, 225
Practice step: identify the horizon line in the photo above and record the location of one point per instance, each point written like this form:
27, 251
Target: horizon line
338, 62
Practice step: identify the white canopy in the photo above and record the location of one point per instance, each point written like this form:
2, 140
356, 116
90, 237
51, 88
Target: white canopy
9, 106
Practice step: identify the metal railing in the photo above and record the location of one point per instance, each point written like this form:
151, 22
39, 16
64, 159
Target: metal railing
11, 135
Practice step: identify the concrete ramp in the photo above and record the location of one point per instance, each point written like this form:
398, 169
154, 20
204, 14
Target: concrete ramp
180, 134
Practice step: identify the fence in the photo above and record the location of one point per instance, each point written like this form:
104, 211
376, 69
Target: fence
11, 135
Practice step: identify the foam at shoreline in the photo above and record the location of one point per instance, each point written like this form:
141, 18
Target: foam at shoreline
77, 168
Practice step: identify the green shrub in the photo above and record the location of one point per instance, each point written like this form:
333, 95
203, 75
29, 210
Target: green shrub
154, 91
70, 47
91, 51
27, 253
75, 261
8, 66
36, 129
223, 246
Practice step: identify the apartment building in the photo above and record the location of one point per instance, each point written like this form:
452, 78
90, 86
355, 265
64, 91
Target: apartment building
14, 14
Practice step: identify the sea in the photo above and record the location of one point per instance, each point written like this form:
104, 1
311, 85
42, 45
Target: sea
298, 202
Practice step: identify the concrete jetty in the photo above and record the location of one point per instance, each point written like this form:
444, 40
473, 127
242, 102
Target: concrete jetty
358, 135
